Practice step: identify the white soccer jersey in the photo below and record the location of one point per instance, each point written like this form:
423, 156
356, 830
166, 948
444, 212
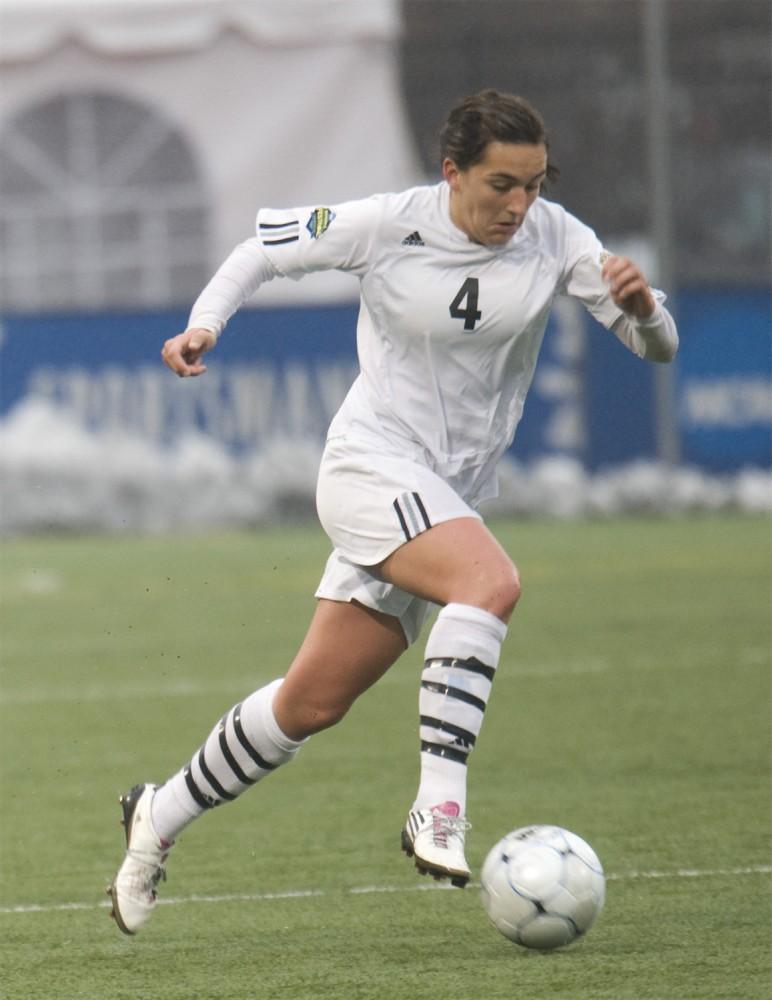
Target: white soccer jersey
449, 331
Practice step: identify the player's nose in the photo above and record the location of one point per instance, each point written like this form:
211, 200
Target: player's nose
517, 202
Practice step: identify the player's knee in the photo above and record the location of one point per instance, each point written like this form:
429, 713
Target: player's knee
314, 716
496, 589
506, 593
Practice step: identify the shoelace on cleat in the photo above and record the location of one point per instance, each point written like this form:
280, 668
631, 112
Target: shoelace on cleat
447, 826
158, 874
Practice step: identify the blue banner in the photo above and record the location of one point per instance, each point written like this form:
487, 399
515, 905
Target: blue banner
283, 372
725, 378
276, 373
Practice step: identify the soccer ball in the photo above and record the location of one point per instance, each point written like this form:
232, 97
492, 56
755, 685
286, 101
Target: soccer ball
542, 886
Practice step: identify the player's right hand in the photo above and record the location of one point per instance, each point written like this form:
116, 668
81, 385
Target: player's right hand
183, 353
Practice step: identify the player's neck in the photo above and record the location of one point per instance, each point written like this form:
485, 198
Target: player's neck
458, 217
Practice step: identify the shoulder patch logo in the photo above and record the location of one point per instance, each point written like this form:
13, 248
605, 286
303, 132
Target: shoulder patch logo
413, 240
319, 222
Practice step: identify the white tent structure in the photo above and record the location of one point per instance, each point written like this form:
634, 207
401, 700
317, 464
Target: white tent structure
140, 136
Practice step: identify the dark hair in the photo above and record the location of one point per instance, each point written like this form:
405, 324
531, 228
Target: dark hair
491, 116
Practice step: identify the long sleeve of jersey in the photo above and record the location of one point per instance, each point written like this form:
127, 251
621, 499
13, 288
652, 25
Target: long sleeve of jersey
654, 338
239, 276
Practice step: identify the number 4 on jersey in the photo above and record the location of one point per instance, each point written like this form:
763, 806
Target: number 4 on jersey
470, 291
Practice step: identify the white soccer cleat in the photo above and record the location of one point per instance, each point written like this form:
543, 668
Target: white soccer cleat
133, 890
435, 837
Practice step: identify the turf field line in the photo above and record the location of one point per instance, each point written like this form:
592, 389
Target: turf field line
691, 873
95, 693
367, 890
106, 692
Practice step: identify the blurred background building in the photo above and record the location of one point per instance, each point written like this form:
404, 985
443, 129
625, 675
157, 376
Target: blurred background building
584, 64
139, 137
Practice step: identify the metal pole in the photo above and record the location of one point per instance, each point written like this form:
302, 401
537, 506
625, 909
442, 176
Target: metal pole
655, 36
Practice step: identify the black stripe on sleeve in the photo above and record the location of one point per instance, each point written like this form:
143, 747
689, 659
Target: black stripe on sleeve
275, 243
278, 225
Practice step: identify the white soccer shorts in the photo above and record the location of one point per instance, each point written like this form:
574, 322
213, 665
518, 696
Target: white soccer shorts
370, 504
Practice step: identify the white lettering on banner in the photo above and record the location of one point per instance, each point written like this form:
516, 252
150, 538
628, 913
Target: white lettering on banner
116, 399
732, 402
240, 406
250, 393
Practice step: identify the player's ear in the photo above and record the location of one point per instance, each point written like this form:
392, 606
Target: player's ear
451, 173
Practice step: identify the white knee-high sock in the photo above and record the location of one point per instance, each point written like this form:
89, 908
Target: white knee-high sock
462, 654
245, 746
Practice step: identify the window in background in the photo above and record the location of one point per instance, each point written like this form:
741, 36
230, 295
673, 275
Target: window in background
102, 205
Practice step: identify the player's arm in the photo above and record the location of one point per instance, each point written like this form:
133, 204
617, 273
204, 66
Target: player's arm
645, 327
234, 282
289, 243
615, 291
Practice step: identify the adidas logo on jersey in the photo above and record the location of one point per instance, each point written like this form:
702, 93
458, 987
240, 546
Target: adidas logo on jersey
413, 240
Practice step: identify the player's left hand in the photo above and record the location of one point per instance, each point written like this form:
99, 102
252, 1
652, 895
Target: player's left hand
629, 289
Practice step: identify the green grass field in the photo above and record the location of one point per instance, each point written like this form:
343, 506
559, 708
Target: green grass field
632, 705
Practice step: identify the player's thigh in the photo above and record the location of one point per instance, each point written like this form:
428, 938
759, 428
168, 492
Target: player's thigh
456, 561
370, 503
347, 648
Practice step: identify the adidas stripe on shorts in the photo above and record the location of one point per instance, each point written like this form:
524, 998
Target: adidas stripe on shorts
370, 503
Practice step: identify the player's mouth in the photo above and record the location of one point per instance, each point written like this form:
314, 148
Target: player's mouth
506, 229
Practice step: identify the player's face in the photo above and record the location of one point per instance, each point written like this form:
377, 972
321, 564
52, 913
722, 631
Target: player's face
489, 201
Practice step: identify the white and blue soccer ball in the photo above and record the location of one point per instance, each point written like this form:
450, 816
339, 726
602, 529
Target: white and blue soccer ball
542, 886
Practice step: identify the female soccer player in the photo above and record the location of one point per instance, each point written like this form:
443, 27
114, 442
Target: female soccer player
457, 281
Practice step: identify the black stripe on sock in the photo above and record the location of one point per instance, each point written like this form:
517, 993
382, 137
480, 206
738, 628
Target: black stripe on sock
440, 750
422, 510
233, 764
402, 520
225, 795
198, 796
241, 736
452, 692
447, 727
472, 665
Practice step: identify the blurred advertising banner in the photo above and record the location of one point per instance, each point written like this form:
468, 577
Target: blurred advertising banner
723, 387
725, 383
281, 373
276, 374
